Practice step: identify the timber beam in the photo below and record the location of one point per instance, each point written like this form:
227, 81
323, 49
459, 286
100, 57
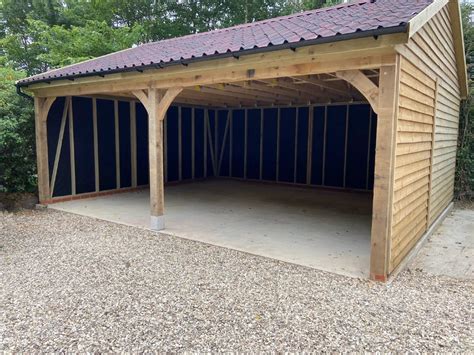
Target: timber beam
305, 61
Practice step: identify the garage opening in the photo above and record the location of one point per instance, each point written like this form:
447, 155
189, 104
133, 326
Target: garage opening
281, 168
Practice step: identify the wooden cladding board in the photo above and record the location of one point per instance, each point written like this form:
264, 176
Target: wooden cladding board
432, 50
427, 133
412, 160
447, 115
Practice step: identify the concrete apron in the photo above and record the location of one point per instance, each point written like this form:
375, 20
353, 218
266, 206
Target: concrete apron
326, 230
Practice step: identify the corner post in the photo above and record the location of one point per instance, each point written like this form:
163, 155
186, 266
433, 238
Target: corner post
384, 172
42, 106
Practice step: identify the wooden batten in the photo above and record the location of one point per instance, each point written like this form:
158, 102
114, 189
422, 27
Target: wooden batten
96, 145
117, 144
72, 151
133, 142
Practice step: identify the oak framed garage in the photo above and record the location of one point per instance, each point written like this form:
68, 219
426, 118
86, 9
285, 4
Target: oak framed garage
404, 71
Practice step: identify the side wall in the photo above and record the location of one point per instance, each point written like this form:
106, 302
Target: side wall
426, 149
412, 160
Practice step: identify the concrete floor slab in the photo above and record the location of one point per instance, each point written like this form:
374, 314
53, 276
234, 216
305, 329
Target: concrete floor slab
450, 250
327, 230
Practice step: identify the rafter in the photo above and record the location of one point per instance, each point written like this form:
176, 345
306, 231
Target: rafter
320, 83
217, 100
228, 93
259, 95
280, 82
279, 93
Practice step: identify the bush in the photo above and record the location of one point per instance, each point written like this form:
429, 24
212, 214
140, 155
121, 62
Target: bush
17, 136
464, 185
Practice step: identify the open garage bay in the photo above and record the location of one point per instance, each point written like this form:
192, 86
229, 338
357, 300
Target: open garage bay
324, 229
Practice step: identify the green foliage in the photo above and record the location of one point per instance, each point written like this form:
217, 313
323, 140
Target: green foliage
17, 137
38, 43
315, 4
37, 35
464, 185
63, 46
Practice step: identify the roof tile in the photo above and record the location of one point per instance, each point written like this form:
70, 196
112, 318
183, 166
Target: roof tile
358, 16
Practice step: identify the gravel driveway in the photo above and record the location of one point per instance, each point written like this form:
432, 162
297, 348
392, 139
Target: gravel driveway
72, 283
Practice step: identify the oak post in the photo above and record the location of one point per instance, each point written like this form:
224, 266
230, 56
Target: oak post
42, 106
384, 172
156, 104
155, 149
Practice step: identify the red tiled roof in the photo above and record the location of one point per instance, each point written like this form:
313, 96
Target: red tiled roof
360, 18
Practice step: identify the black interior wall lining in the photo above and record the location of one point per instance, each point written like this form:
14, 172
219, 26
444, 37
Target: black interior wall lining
330, 145
106, 144
321, 145
83, 144
62, 185
142, 145
125, 144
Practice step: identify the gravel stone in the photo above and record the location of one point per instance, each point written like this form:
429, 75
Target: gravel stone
71, 283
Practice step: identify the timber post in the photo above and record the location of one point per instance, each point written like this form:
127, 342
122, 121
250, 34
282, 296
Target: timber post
384, 172
156, 103
42, 106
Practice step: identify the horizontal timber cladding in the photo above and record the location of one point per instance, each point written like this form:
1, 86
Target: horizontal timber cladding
413, 154
432, 49
331, 146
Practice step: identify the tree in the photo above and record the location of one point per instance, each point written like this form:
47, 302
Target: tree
17, 136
